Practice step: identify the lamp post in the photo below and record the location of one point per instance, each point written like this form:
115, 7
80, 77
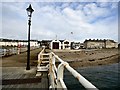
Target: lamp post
29, 12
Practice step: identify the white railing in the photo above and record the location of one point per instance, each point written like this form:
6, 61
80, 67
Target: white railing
56, 74
39, 56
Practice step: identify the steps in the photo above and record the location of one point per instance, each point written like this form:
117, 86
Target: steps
43, 63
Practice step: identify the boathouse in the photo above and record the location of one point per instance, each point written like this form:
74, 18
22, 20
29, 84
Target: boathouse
55, 44
60, 44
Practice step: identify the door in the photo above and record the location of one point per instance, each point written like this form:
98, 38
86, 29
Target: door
55, 45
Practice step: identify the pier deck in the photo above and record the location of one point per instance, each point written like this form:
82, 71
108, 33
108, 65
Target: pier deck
18, 77
14, 74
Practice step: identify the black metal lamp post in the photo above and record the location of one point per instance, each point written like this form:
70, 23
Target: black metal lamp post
29, 12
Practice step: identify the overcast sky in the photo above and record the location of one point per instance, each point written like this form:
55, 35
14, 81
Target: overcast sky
95, 20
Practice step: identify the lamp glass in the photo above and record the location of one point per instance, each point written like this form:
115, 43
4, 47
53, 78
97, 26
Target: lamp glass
29, 10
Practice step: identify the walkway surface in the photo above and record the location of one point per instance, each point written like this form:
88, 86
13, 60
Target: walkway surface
15, 75
20, 60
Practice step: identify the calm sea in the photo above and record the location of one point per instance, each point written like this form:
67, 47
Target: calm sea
104, 77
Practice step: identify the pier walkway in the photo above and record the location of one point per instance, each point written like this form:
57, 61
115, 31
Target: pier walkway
51, 63
18, 77
15, 75
20, 60
48, 74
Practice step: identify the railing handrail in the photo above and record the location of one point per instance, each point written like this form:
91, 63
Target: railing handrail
42, 50
56, 73
39, 56
59, 59
60, 73
41, 53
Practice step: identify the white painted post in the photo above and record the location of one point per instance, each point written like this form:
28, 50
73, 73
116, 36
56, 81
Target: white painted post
51, 74
60, 83
53, 61
51, 47
63, 46
4, 51
63, 84
18, 50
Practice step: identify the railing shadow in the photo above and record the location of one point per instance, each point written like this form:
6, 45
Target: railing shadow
20, 81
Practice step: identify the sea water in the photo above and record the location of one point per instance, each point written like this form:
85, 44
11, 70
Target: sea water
105, 77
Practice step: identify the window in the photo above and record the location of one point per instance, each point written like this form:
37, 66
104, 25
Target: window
66, 42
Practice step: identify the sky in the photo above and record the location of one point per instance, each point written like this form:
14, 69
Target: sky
62, 20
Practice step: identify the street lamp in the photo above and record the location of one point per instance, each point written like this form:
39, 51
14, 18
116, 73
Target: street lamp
29, 12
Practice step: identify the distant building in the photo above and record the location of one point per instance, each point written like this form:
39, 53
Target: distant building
100, 43
8, 42
75, 45
34, 43
119, 46
45, 43
82, 46
66, 44
60, 44
55, 44
20, 43
111, 44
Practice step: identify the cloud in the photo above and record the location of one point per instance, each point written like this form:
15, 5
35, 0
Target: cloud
0, 20
85, 20
59, 1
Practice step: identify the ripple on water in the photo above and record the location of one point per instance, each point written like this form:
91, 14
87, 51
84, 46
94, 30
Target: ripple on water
103, 77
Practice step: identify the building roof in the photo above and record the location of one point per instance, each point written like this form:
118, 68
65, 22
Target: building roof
61, 40
99, 40
46, 40
13, 40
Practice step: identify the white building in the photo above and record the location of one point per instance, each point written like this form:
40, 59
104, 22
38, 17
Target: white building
2, 43
66, 44
111, 44
55, 44
7, 42
60, 44
14, 43
34, 43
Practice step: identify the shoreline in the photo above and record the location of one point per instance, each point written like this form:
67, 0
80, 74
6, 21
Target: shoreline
107, 61
74, 58
91, 58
